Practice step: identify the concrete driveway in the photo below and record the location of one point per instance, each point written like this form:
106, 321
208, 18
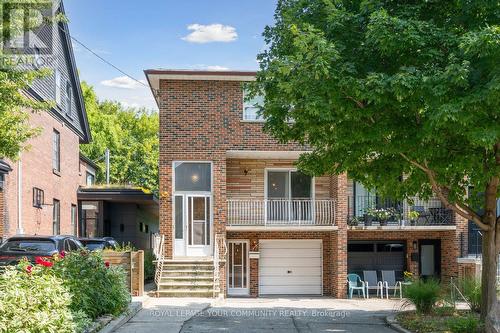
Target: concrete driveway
293, 315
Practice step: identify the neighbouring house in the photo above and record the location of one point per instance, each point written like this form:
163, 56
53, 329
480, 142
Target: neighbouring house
87, 171
239, 219
129, 215
39, 189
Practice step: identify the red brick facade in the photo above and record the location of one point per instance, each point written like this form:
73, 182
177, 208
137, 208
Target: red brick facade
201, 120
36, 169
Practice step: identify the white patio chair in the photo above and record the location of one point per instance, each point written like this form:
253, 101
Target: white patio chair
390, 283
372, 282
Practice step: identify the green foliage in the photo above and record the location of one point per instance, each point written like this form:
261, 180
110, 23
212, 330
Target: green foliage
130, 134
36, 302
124, 247
149, 266
471, 290
466, 324
423, 295
97, 289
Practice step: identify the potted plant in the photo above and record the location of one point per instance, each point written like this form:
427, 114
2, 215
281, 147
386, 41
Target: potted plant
368, 217
413, 215
353, 221
382, 215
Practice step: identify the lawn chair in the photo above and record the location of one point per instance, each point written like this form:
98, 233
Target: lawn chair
355, 283
372, 282
389, 278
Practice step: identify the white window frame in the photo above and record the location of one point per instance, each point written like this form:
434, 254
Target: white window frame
69, 99
248, 105
58, 88
290, 170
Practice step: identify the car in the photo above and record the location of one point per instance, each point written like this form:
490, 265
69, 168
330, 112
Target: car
18, 247
94, 244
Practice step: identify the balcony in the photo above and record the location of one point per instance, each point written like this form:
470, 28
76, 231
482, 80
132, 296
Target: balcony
280, 213
373, 211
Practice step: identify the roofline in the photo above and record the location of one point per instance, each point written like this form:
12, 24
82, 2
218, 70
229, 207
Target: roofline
126, 194
4, 167
89, 161
194, 72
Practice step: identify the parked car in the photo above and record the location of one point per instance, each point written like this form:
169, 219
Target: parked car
30, 247
94, 244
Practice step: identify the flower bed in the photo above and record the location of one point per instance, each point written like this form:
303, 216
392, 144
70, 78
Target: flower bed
64, 293
444, 319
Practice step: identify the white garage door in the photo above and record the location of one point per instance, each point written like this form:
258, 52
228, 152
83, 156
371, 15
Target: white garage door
290, 267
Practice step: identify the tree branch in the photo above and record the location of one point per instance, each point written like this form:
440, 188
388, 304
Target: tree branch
460, 209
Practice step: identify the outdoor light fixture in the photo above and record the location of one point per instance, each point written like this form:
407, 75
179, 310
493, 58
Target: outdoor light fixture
195, 177
415, 245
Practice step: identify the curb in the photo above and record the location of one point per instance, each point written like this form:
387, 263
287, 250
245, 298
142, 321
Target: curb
115, 324
392, 322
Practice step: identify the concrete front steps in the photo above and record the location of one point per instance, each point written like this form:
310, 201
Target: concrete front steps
187, 278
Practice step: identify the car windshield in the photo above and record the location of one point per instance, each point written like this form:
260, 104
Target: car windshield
28, 246
95, 246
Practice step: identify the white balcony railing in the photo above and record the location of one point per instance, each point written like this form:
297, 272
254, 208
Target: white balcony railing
281, 212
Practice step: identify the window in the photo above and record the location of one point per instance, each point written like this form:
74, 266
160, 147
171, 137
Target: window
192, 177
141, 227
179, 217
37, 60
56, 217
69, 99
37, 197
251, 107
90, 179
56, 153
74, 225
89, 218
58, 87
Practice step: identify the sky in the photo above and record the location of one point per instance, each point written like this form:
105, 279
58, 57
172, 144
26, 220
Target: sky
150, 34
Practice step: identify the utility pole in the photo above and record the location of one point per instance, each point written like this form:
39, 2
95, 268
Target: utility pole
106, 157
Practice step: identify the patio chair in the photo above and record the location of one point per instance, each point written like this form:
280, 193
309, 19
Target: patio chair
355, 283
390, 283
372, 282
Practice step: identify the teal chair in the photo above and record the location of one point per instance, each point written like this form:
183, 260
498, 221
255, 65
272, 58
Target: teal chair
355, 283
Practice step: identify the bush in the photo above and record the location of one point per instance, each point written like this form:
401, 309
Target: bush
467, 324
423, 294
97, 288
149, 266
33, 301
471, 290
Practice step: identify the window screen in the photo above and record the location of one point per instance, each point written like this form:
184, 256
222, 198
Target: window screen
179, 217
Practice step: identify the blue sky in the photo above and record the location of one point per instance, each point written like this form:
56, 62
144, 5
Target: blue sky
138, 35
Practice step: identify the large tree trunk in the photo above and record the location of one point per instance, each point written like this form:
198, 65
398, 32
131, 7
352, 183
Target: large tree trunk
489, 304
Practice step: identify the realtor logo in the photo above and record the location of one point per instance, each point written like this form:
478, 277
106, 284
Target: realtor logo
27, 27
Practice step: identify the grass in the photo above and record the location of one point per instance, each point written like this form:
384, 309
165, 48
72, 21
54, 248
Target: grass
443, 319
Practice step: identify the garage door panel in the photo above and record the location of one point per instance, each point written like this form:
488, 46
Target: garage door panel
294, 253
280, 271
286, 262
289, 244
290, 290
290, 267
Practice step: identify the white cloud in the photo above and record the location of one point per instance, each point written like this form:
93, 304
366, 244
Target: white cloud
123, 82
217, 68
210, 33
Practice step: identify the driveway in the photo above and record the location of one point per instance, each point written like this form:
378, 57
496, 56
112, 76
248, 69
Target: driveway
242, 315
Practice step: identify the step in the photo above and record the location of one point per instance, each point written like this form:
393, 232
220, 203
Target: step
188, 267
186, 278
185, 293
189, 285
186, 273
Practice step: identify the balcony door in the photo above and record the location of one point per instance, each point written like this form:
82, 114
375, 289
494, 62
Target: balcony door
289, 195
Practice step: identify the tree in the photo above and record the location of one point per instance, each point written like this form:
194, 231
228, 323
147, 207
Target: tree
381, 89
130, 134
15, 105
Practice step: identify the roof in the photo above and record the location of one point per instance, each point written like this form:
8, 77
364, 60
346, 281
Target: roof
155, 75
117, 194
88, 161
4, 167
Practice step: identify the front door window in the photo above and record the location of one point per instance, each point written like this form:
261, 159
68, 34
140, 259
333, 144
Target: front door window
199, 220
238, 267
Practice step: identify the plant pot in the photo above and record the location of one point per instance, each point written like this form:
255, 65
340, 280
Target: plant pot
368, 220
383, 223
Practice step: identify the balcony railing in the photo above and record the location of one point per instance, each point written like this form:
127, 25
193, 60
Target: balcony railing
281, 212
373, 210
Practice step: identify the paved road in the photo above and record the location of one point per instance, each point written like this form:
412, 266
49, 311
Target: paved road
278, 315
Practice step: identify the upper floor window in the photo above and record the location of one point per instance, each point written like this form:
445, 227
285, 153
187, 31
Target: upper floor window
56, 151
193, 176
69, 98
90, 179
37, 197
58, 88
56, 217
251, 107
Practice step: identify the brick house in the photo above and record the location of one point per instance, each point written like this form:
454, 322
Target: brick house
231, 198
39, 192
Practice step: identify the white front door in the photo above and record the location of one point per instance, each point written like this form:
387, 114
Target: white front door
238, 263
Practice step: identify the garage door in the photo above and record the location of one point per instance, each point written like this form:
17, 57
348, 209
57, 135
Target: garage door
376, 256
290, 267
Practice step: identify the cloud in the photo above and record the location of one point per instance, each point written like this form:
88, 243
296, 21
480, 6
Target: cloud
210, 33
217, 68
123, 82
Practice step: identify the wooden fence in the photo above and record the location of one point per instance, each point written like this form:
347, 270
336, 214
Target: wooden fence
132, 263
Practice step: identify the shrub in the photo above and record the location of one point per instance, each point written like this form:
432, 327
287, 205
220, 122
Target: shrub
471, 290
97, 288
467, 324
34, 301
423, 294
149, 266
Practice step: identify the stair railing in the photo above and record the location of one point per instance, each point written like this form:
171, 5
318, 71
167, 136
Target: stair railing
219, 248
158, 244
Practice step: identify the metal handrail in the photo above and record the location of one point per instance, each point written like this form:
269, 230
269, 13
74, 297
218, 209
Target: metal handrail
158, 252
219, 244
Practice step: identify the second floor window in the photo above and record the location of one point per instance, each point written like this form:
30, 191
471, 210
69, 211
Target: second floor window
251, 107
58, 79
69, 99
90, 179
56, 151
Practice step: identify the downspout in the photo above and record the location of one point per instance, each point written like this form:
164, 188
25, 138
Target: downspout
19, 230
